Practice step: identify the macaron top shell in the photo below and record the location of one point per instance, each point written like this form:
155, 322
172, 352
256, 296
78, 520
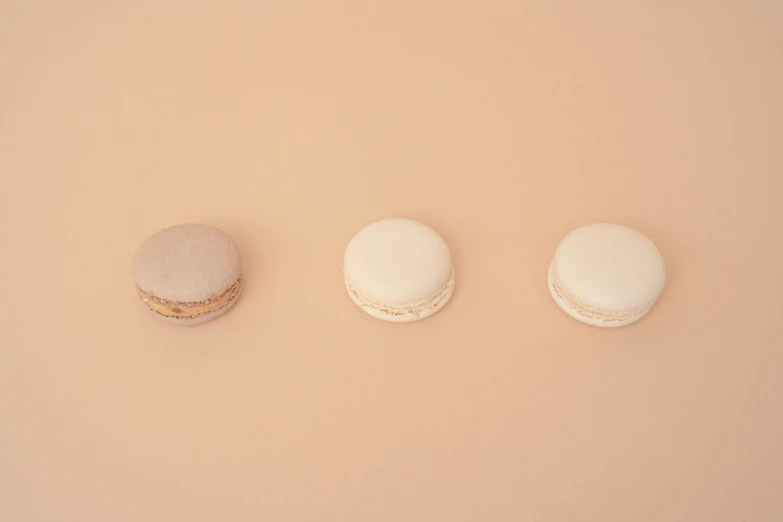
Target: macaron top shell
609, 267
398, 262
187, 263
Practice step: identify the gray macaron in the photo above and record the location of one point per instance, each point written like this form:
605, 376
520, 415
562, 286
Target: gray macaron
188, 274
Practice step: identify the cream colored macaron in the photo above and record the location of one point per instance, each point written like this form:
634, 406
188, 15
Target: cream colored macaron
188, 274
398, 270
606, 275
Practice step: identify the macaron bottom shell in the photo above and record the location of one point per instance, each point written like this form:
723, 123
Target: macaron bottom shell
587, 315
202, 316
403, 314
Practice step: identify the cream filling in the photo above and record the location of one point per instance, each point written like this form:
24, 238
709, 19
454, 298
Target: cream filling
594, 313
415, 308
184, 310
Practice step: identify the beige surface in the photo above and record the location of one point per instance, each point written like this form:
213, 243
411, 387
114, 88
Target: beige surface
291, 126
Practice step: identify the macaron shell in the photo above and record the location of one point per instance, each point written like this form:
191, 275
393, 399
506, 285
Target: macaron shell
587, 318
414, 313
187, 263
609, 267
202, 318
398, 262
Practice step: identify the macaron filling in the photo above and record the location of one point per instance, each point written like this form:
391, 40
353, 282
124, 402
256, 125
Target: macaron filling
591, 312
181, 310
415, 308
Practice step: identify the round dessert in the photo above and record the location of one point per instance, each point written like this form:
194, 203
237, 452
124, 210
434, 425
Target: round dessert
606, 275
398, 270
188, 274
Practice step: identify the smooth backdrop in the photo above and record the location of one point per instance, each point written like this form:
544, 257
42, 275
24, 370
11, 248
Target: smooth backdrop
291, 124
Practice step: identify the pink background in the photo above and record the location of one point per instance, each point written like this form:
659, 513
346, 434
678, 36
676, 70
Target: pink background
291, 124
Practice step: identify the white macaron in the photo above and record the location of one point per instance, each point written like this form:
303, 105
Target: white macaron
398, 270
606, 275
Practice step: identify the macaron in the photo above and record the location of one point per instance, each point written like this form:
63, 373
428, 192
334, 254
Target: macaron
606, 275
188, 274
398, 270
